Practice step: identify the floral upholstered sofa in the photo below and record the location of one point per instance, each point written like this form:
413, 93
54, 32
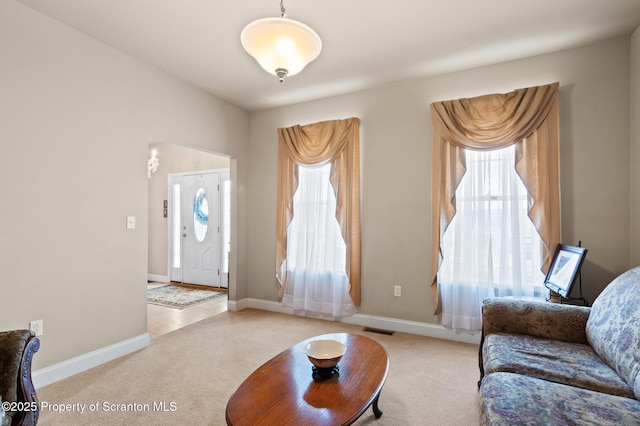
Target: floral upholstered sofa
553, 364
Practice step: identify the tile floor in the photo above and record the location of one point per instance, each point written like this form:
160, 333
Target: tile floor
161, 319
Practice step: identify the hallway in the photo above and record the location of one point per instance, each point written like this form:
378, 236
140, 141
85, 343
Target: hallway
161, 319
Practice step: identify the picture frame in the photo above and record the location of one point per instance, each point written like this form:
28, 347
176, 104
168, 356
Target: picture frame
564, 269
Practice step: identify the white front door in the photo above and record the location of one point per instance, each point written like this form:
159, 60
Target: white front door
200, 228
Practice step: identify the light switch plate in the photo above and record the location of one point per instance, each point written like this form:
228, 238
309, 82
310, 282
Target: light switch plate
131, 222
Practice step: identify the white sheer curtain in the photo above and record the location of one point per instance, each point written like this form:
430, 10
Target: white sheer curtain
491, 248
317, 281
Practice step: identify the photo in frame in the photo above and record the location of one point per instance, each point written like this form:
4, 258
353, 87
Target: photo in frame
564, 269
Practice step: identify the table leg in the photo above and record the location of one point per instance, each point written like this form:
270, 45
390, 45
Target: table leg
376, 411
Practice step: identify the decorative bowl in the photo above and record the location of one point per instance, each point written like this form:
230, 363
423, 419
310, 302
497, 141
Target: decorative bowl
324, 353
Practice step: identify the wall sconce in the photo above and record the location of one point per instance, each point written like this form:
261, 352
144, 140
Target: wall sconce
153, 163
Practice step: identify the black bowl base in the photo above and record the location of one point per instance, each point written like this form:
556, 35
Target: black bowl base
324, 373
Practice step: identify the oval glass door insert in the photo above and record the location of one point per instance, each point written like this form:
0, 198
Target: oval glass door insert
200, 215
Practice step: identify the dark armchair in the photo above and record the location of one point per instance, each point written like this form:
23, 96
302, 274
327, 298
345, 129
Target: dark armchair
16, 353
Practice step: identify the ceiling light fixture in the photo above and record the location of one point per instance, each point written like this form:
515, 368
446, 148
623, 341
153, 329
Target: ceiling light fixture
283, 47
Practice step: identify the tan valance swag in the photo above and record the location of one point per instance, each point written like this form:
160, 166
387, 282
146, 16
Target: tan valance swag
337, 141
526, 117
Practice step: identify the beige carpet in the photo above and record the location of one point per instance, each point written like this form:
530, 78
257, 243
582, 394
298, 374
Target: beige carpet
193, 371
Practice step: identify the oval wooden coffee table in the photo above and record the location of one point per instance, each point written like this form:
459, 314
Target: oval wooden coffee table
284, 392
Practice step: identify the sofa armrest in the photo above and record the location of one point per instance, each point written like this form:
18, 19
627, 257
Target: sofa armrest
17, 348
12, 345
540, 319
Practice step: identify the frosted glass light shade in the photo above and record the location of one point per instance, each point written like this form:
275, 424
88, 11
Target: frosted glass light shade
281, 46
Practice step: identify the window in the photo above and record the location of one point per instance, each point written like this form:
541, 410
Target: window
175, 228
314, 240
317, 281
226, 224
318, 218
491, 247
469, 135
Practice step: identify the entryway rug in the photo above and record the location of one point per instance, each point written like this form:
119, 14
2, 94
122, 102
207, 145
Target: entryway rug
180, 297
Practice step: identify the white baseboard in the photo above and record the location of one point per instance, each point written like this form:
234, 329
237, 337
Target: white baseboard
158, 278
384, 323
70, 367
413, 327
235, 306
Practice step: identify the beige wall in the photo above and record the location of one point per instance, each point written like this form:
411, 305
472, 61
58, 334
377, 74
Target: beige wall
76, 118
173, 159
396, 167
635, 147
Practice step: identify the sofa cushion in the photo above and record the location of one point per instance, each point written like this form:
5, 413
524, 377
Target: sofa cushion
613, 327
510, 399
568, 363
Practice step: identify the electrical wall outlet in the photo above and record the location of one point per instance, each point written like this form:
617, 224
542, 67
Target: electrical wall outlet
37, 327
397, 291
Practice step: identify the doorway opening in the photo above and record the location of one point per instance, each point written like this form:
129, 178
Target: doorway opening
195, 187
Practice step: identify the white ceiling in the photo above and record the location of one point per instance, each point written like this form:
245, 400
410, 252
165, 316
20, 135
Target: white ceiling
365, 42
